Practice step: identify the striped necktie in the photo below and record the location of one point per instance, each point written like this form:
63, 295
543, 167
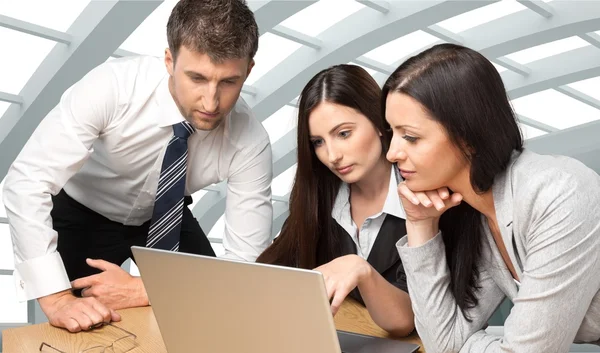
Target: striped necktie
165, 227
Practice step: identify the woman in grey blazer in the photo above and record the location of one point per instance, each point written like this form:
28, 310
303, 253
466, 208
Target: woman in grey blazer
487, 219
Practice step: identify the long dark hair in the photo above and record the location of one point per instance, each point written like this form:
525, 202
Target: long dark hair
309, 237
462, 91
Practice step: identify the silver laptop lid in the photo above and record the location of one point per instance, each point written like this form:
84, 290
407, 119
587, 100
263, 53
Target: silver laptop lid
213, 305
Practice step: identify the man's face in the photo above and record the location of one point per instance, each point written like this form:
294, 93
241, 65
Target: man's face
205, 91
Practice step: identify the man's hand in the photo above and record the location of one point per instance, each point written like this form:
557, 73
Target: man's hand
113, 287
341, 276
75, 314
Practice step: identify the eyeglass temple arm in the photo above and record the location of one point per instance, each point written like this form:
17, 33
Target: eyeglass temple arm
47, 345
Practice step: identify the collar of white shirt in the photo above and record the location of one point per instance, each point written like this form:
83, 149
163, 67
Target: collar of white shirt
392, 205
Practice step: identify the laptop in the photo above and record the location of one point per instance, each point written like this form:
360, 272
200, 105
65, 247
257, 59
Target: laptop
207, 304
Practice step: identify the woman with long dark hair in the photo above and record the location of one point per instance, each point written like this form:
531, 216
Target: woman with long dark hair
486, 218
345, 213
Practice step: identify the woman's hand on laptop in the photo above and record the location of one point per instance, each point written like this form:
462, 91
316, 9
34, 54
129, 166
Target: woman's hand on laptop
113, 287
342, 275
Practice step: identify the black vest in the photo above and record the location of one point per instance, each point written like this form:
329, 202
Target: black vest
383, 256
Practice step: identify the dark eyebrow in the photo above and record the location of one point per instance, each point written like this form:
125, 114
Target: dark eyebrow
335, 128
338, 125
199, 75
406, 126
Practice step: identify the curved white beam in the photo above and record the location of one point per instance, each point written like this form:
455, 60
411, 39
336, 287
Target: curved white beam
583, 63
96, 34
525, 29
581, 141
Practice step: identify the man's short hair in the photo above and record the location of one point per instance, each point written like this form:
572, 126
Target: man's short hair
221, 29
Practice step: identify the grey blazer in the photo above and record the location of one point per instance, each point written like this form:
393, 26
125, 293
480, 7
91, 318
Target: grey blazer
548, 211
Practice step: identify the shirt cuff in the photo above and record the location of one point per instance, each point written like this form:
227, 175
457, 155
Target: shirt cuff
40, 277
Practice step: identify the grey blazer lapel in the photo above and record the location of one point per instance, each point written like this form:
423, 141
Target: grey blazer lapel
502, 191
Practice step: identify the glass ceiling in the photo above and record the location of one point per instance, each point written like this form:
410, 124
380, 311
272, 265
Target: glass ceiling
555, 109
55, 14
548, 106
321, 15
397, 49
548, 49
482, 15
16, 69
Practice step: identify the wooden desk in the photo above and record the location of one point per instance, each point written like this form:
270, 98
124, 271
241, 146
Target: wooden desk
354, 317
351, 317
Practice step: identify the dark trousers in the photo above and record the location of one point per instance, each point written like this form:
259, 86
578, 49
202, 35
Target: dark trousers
83, 233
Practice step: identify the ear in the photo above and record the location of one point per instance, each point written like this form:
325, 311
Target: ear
169, 62
468, 148
250, 66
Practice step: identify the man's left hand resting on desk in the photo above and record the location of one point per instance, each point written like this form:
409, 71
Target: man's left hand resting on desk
114, 287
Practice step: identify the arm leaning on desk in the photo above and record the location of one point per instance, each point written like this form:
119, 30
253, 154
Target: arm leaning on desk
351, 317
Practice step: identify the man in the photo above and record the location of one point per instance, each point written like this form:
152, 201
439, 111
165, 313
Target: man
109, 166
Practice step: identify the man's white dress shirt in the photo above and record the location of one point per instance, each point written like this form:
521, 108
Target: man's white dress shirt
366, 236
104, 144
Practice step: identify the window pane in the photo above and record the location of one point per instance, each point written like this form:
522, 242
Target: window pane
16, 70
500, 68
555, 109
530, 132
321, 15
196, 198
481, 15
150, 38
272, 50
282, 184
281, 122
11, 311
3, 108
546, 50
6, 249
589, 87
218, 248
397, 49
55, 14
